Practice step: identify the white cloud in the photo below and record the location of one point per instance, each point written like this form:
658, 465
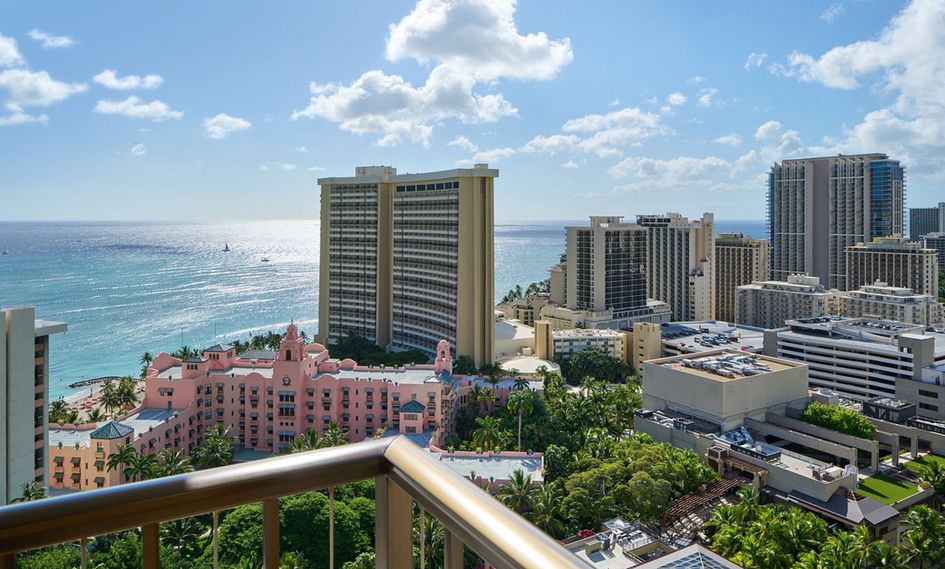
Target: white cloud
551, 145
471, 42
138, 150
906, 59
135, 108
755, 60
682, 169
731, 139
315, 169
833, 12
676, 99
615, 102
49, 41
223, 124
18, 117
569, 165
493, 155
477, 36
463, 143
302, 148
110, 79
695, 80
606, 133
285, 166
27, 88
9, 53
706, 97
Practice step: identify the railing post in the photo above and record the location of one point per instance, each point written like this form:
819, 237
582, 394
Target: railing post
393, 526
271, 533
8, 561
84, 544
150, 547
453, 551
331, 528
423, 538
216, 540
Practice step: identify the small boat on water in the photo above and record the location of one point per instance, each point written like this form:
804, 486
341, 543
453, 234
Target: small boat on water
264, 260
4, 253
226, 248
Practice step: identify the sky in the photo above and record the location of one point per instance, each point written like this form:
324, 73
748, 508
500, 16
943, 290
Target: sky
232, 110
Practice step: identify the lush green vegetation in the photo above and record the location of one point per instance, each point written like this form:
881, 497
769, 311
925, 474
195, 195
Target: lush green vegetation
839, 419
593, 363
519, 293
772, 536
116, 396
366, 352
885, 489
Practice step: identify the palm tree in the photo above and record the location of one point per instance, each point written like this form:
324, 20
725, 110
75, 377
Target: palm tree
111, 398
143, 466
173, 462
924, 532
519, 382
519, 493
306, 442
146, 359
546, 509
57, 411
520, 402
122, 458
30, 492
433, 539
487, 435
182, 534
126, 393
217, 449
71, 417
96, 415
333, 436
884, 556
933, 476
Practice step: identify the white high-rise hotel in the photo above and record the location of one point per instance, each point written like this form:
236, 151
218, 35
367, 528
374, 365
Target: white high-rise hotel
817, 207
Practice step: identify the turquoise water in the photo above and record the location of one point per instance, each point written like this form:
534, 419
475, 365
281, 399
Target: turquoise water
125, 288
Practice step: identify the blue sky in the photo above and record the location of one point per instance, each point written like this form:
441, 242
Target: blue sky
233, 109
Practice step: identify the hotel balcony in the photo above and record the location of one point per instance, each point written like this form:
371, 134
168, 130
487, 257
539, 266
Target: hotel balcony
403, 473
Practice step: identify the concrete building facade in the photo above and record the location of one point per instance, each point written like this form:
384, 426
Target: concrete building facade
768, 304
408, 259
936, 242
863, 358
739, 260
24, 384
925, 220
819, 206
895, 261
550, 343
679, 263
898, 304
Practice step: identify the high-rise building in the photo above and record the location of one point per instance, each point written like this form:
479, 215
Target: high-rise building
407, 259
679, 264
936, 241
819, 206
768, 304
898, 304
739, 260
924, 220
895, 261
24, 383
606, 266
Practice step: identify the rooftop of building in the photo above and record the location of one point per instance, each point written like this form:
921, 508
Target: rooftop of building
511, 329
586, 333
389, 174
730, 365
140, 421
870, 332
708, 335
881, 288
693, 556
895, 244
489, 465
618, 545
528, 365
800, 283
870, 155
47, 327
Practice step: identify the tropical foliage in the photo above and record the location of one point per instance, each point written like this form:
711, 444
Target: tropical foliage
596, 364
532, 289
366, 352
839, 419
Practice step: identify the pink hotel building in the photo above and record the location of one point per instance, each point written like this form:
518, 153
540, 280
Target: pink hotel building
267, 399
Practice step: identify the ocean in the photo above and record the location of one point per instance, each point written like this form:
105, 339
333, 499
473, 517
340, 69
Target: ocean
129, 287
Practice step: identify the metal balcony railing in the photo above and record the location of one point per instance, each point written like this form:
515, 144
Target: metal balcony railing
404, 474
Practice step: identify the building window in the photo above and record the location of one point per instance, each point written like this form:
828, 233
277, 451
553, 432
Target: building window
930, 394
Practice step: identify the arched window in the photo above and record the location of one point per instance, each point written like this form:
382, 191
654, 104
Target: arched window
288, 355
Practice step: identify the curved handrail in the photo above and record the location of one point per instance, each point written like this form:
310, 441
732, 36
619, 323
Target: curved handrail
500, 535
